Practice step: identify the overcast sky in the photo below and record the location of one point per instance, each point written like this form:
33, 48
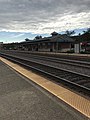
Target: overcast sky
19, 17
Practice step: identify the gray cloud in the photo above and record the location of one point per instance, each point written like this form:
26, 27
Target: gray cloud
44, 15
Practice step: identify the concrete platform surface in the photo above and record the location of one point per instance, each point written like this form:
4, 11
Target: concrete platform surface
23, 100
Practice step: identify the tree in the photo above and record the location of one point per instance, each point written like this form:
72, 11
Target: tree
84, 31
69, 33
38, 37
79, 34
26, 39
87, 31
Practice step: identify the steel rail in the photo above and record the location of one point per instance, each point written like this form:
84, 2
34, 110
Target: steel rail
53, 76
64, 61
18, 57
60, 60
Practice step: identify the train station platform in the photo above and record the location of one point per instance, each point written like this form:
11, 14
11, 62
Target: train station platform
22, 99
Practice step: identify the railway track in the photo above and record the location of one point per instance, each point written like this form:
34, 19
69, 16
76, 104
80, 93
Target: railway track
77, 81
69, 64
68, 61
62, 61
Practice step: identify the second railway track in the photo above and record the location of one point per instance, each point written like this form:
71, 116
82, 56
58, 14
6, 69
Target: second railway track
78, 82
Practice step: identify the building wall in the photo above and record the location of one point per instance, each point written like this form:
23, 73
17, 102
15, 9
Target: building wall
49, 47
62, 47
65, 47
42, 46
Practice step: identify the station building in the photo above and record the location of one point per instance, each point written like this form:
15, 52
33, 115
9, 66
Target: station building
54, 43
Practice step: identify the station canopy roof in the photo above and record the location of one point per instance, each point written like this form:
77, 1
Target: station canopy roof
57, 38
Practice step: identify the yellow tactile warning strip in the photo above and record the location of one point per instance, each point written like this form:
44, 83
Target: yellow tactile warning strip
78, 102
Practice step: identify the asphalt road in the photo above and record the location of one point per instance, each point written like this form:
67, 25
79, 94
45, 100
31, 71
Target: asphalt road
23, 100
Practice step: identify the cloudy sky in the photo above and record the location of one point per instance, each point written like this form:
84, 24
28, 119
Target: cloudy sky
27, 18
